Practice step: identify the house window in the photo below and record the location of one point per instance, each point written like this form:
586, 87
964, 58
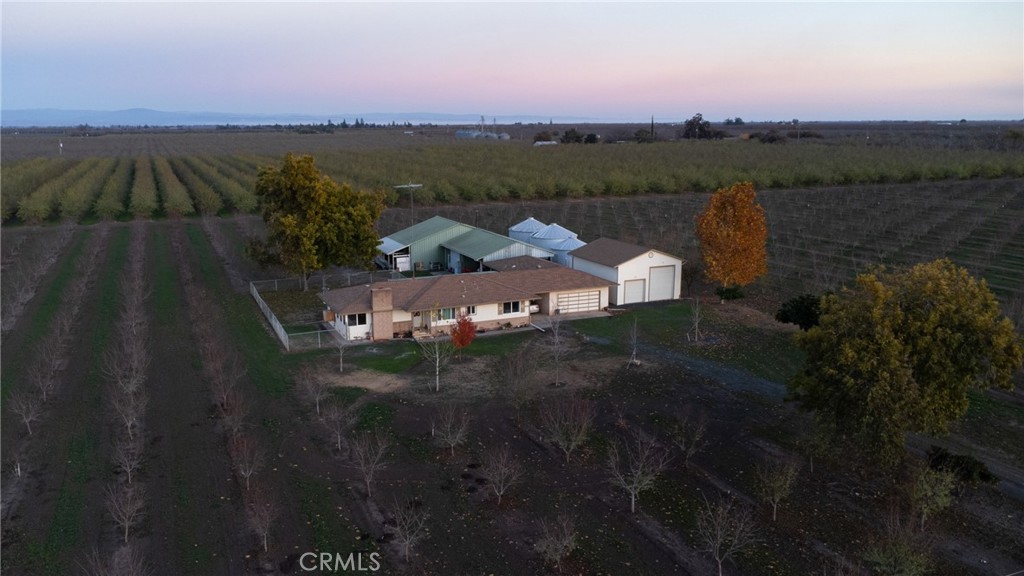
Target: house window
510, 307
355, 320
446, 314
470, 310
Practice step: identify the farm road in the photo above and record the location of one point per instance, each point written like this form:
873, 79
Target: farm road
736, 379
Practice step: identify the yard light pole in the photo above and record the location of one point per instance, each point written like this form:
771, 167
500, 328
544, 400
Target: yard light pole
412, 195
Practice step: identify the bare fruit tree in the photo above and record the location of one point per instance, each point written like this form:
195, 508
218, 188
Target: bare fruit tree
410, 525
637, 465
557, 540
262, 510
725, 528
369, 455
695, 334
503, 471
567, 422
313, 387
125, 505
128, 455
451, 426
775, 482
342, 345
127, 560
27, 407
229, 372
634, 341
234, 411
338, 419
129, 407
688, 434
42, 380
559, 344
247, 456
516, 372
437, 352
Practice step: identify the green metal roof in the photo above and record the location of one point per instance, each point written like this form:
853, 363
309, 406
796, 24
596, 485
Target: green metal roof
477, 244
423, 229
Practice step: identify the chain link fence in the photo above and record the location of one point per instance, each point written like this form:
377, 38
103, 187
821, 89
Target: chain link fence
301, 337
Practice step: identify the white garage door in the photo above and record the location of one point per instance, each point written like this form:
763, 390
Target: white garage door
635, 290
663, 282
579, 301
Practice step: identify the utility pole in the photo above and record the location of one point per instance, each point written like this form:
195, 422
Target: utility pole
412, 196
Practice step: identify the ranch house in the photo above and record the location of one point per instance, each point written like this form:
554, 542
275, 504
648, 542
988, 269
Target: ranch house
508, 295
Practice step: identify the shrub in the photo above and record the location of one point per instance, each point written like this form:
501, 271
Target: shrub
967, 469
802, 311
729, 293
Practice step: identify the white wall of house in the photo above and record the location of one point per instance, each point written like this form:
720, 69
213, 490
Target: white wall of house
355, 331
485, 313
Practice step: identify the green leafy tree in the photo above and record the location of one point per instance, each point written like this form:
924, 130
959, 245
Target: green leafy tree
932, 492
572, 136
898, 353
697, 128
643, 136
313, 222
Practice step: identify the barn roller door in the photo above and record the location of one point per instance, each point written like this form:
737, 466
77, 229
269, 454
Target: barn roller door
663, 282
579, 301
634, 291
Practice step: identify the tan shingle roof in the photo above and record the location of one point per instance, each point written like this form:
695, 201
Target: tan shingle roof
556, 279
608, 252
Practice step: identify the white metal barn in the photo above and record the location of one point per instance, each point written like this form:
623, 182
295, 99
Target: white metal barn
642, 274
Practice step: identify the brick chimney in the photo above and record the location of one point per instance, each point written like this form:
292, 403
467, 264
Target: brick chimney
381, 306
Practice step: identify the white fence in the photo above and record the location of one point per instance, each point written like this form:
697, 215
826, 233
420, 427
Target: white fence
282, 335
308, 340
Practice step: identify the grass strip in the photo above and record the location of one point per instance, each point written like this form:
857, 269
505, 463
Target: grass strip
764, 353
390, 358
332, 531
193, 555
64, 531
267, 366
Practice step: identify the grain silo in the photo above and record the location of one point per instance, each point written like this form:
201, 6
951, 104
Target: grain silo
562, 249
551, 235
525, 229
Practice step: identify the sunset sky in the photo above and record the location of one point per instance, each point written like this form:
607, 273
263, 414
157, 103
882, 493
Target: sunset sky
603, 61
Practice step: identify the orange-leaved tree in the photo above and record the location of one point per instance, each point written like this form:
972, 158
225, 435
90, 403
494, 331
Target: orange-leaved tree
732, 232
463, 333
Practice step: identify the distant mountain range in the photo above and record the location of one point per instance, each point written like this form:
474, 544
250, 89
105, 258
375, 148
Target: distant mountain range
54, 117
